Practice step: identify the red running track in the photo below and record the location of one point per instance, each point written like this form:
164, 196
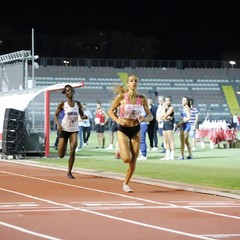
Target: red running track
41, 203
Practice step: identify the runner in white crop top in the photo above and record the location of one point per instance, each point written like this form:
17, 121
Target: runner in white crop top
70, 119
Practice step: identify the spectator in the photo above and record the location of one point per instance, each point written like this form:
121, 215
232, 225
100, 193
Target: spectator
184, 126
80, 121
86, 124
143, 132
235, 121
101, 119
113, 129
167, 115
160, 121
193, 123
60, 117
152, 127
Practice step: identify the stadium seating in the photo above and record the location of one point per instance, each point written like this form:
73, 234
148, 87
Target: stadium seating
203, 85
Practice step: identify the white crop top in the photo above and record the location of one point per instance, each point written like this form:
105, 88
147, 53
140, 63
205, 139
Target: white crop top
70, 119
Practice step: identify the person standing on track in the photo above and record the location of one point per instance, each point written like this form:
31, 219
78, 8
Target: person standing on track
130, 103
68, 128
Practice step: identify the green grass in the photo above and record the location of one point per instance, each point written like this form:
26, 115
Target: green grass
219, 167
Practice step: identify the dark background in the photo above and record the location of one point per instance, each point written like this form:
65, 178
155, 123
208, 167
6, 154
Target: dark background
149, 29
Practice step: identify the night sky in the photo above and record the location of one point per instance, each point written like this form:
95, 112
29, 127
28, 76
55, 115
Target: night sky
179, 29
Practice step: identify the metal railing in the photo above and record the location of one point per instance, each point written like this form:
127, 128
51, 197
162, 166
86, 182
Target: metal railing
138, 63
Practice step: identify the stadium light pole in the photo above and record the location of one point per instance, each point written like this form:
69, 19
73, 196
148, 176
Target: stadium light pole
33, 58
33, 82
232, 63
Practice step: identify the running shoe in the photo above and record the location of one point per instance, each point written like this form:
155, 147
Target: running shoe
126, 188
69, 175
180, 158
189, 157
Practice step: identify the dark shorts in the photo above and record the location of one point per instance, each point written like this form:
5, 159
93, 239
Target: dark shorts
129, 131
114, 127
168, 126
65, 135
99, 128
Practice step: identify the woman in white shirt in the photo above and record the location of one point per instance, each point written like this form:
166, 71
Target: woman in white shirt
68, 128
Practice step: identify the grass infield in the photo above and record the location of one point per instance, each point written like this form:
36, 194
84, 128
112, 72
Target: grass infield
219, 167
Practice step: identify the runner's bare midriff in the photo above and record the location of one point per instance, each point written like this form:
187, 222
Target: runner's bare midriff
131, 122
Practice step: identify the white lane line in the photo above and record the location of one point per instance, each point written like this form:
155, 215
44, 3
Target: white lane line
111, 217
107, 208
109, 202
2, 203
112, 204
89, 189
18, 205
36, 210
209, 203
28, 231
222, 235
186, 201
212, 213
122, 195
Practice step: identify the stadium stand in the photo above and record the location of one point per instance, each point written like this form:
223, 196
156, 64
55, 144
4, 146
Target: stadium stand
204, 85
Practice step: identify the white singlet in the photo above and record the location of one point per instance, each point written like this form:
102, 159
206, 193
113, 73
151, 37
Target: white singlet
70, 119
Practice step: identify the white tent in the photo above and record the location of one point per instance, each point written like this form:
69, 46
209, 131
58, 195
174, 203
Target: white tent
19, 100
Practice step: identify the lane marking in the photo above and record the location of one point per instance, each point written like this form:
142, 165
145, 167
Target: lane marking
28, 231
99, 204
110, 216
2, 203
37, 210
209, 203
107, 202
221, 235
122, 195
212, 213
89, 189
18, 205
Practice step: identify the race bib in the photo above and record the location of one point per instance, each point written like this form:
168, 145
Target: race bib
97, 120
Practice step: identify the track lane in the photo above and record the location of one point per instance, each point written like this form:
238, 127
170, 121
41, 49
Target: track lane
147, 216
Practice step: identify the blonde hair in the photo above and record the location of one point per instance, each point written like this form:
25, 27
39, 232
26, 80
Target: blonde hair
122, 89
